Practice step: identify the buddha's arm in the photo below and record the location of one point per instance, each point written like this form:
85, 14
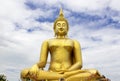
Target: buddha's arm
43, 55
43, 59
77, 57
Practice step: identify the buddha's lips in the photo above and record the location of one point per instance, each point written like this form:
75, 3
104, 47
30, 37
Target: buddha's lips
61, 29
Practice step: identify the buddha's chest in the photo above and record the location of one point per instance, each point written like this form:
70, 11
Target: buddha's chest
61, 45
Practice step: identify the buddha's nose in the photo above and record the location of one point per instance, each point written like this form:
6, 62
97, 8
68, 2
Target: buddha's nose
61, 28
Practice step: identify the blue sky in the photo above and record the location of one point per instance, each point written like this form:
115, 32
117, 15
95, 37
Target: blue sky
25, 24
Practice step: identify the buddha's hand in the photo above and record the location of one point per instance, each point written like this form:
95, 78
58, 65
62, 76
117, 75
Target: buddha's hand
62, 71
33, 71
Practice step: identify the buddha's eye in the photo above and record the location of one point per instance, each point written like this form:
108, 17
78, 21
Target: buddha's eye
58, 24
63, 24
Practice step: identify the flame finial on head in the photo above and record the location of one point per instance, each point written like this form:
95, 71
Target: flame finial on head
61, 13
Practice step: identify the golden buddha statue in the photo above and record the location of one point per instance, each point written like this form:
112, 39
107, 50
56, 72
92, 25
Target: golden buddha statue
66, 59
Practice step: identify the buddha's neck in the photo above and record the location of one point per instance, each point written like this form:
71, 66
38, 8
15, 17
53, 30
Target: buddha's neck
60, 36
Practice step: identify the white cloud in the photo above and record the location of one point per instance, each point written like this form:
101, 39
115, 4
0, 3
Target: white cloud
83, 5
13, 10
114, 4
20, 49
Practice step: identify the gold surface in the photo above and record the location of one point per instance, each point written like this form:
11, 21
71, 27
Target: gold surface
66, 58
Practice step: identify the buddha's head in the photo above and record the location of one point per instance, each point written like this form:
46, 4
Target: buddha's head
61, 26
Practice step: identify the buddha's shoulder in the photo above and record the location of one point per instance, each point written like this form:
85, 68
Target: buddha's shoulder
46, 41
54, 39
72, 40
67, 39
76, 41
49, 40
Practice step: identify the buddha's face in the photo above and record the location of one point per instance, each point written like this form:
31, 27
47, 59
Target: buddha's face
61, 28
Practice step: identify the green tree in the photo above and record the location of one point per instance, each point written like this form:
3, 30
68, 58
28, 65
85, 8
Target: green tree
3, 77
